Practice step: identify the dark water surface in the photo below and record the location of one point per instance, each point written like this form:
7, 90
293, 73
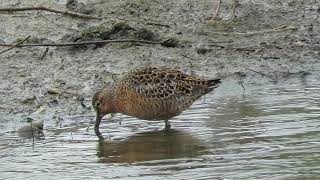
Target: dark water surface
270, 131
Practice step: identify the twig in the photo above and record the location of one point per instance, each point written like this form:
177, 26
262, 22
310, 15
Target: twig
213, 41
87, 42
87, 129
244, 89
251, 49
32, 133
96, 3
44, 53
250, 33
61, 92
71, 136
217, 45
54, 91
158, 24
234, 3
216, 13
42, 8
16, 45
258, 72
84, 106
127, 40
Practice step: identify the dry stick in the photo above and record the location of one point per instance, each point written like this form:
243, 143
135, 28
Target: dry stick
215, 15
32, 134
234, 3
42, 8
44, 53
71, 136
125, 40
87, 42
250, 33
244, 89
278, 29
16, 45
158, 24
154, 22
259, 72
233, 48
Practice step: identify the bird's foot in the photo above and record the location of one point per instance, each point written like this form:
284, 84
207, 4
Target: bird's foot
167, 125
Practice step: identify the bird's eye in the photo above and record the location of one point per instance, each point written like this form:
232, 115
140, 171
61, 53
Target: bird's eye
98, 104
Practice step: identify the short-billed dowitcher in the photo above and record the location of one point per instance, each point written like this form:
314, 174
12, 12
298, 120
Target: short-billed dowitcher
150, 93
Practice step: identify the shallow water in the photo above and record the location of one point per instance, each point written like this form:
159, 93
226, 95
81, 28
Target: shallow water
268, 131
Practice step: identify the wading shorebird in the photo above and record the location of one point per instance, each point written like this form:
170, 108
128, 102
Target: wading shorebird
150, 93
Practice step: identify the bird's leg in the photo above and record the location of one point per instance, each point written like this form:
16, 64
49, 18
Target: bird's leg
167, 125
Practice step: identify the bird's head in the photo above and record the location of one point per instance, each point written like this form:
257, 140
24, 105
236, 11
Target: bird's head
102, 104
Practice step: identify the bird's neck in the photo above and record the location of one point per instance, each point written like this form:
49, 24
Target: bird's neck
110, 104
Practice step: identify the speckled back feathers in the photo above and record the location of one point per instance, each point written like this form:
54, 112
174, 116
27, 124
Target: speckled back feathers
164, 83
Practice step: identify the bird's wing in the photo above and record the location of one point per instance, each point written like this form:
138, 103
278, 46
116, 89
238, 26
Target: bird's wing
164, 83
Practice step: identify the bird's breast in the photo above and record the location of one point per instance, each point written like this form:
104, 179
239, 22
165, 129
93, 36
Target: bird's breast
147, 108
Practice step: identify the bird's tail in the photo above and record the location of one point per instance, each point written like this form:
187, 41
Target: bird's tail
213, 83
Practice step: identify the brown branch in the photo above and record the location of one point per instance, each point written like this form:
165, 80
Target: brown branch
16, 45
42, 8
163, 43
87, 42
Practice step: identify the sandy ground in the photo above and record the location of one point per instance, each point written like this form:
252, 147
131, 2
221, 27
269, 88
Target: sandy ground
275, 38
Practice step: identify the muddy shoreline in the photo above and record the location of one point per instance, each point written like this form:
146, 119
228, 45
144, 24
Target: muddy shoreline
261, 122
271, 41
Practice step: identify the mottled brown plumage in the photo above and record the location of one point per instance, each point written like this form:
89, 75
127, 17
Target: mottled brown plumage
151, 93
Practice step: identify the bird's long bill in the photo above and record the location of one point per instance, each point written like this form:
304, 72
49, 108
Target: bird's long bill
97, 124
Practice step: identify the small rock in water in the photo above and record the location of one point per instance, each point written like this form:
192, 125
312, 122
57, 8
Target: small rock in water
219, 158
32, 130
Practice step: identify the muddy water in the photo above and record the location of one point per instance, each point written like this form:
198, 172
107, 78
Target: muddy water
268, 131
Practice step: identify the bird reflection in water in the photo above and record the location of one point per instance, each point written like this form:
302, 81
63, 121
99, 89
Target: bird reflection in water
150, 146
